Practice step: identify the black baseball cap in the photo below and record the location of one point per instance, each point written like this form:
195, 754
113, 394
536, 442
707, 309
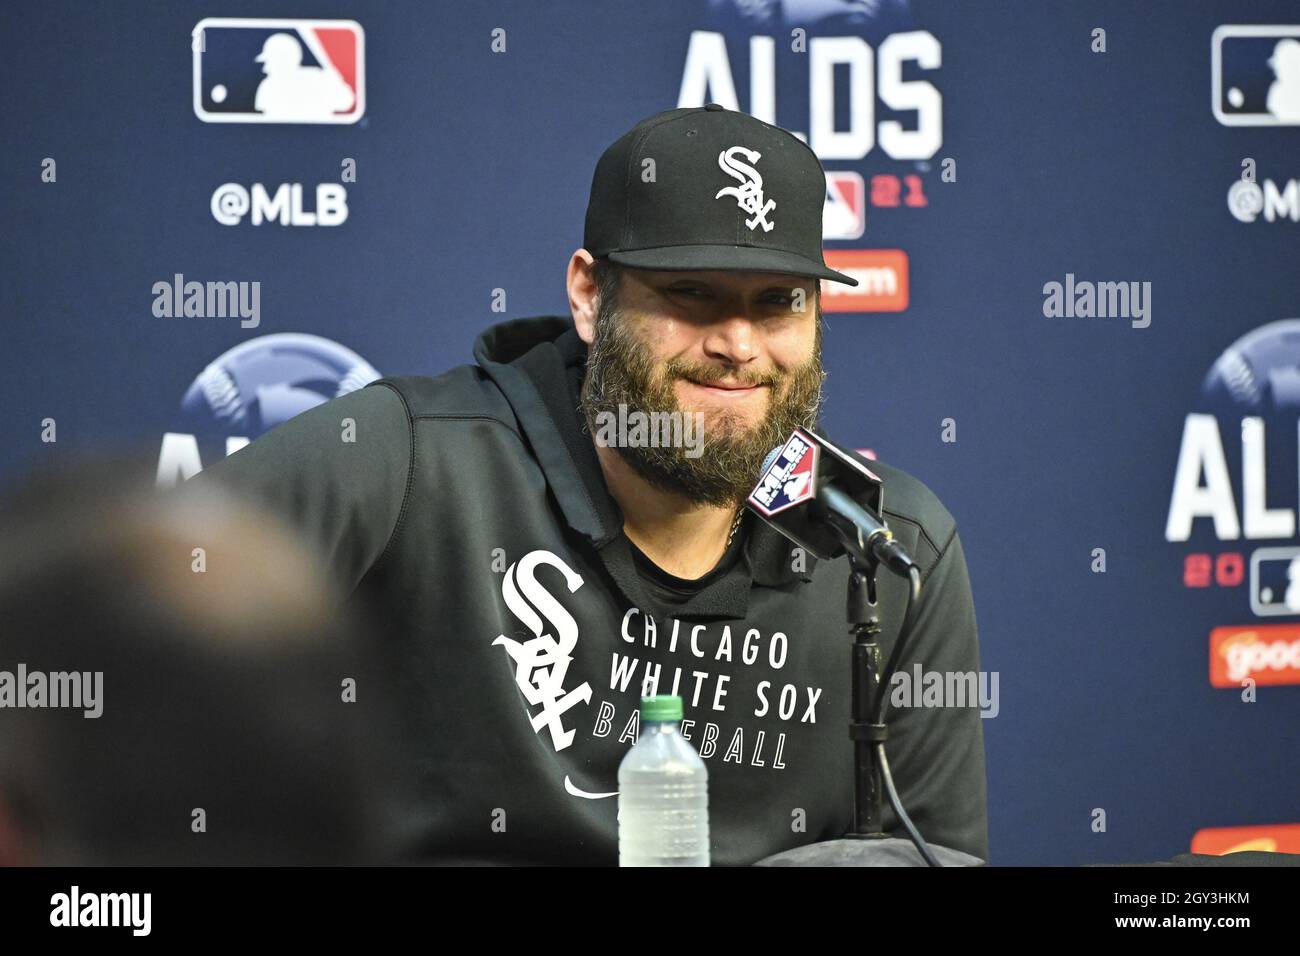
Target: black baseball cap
725, 192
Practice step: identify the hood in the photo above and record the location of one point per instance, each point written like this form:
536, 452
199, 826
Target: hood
538, 364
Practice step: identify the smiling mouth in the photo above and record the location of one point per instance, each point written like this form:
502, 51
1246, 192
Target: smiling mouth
729, 390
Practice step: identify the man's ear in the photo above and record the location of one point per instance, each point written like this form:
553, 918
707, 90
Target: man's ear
584, 295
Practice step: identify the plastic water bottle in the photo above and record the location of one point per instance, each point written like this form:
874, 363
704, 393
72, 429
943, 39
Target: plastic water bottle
663, 793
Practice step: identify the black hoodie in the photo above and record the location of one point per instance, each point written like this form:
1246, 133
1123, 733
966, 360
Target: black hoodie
469, 515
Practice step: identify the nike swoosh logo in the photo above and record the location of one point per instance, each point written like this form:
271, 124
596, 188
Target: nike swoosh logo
579, 792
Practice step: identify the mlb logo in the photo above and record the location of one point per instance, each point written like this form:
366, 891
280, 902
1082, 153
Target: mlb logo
845, 214
1275, 581
791, 479
279, 71
1255, 75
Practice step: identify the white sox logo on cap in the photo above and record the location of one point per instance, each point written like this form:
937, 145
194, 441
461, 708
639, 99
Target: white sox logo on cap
749, 195
666, 222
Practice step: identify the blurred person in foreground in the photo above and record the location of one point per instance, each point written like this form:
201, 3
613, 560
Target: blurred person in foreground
181, 667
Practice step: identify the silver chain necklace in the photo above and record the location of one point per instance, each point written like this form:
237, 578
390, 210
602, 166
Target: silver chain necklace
735, 526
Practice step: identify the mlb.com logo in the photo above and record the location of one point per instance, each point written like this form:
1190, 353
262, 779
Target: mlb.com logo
279, 71
882, 276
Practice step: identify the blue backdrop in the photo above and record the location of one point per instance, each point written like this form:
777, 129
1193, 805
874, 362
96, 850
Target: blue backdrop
1040, 150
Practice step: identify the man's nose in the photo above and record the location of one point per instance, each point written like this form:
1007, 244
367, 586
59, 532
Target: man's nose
732, 341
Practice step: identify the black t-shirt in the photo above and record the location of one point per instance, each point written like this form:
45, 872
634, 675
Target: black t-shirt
670, 590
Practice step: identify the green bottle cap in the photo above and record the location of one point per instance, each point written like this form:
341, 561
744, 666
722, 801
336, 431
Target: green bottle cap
662, 708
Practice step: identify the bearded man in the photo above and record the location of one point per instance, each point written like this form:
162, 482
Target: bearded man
534, 577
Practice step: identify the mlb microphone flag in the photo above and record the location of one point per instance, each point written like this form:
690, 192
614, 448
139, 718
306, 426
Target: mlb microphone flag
789, 479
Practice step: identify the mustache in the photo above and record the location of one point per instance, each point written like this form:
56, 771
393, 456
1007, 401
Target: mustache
705, 374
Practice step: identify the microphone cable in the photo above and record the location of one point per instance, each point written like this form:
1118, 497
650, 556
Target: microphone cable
882, 701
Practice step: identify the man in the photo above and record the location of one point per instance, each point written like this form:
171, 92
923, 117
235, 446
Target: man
175, 687
537, 570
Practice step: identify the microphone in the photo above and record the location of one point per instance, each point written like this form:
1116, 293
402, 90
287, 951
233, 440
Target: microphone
825, 499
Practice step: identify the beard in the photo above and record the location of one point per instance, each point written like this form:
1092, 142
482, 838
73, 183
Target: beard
621, 372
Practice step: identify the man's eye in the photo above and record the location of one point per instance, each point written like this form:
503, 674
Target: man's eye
777, 299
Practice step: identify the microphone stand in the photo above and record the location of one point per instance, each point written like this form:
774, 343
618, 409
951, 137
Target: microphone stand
864, 629
866, 844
